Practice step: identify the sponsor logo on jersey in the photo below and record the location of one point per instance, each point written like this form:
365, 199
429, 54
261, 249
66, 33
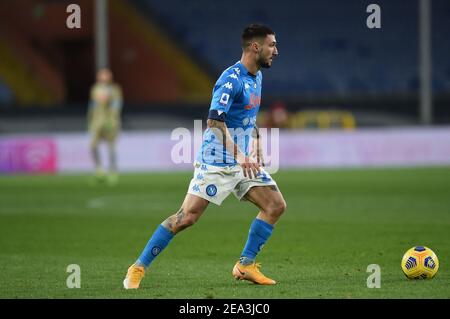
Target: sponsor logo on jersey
255, 101
249, 120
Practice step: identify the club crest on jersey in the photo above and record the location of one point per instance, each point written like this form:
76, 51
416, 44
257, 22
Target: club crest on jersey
211, 190
224, 98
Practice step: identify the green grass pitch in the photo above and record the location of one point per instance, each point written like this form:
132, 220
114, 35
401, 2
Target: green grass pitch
336, 224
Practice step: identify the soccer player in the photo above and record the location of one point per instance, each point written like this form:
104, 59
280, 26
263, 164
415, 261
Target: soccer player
224, 164
104, 123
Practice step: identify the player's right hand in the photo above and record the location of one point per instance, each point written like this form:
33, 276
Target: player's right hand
249, 167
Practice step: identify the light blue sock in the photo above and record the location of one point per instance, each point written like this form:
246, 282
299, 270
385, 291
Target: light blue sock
159, 240
259, 233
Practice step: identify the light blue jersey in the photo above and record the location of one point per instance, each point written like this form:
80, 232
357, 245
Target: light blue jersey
235, 100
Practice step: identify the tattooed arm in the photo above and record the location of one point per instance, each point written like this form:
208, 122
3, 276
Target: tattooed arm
221, 131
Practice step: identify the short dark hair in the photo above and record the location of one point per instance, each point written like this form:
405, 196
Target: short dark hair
254, 31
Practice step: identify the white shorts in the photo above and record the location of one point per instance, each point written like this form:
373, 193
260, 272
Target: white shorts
215, 183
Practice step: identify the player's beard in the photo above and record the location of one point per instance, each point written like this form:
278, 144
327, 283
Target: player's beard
263, 64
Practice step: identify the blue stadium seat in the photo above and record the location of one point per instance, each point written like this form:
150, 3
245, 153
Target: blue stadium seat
6, 96
325, 46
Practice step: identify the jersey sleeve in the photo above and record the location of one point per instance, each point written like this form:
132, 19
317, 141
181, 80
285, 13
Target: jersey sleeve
226, 90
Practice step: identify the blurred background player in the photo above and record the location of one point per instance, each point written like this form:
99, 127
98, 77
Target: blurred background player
104, 121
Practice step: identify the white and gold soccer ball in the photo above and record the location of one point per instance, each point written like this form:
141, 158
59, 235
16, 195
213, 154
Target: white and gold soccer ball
420, 262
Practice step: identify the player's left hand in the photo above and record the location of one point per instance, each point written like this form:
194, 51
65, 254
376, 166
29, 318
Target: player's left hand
249, 167
256, 153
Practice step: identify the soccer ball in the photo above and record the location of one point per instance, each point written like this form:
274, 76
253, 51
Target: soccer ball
420, 262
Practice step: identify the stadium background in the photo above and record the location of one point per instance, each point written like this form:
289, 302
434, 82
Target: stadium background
344, 96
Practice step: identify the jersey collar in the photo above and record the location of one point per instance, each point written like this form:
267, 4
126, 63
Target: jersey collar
244, 69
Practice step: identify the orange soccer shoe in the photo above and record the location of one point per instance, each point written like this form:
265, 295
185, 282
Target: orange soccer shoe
134, 277
251, 273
